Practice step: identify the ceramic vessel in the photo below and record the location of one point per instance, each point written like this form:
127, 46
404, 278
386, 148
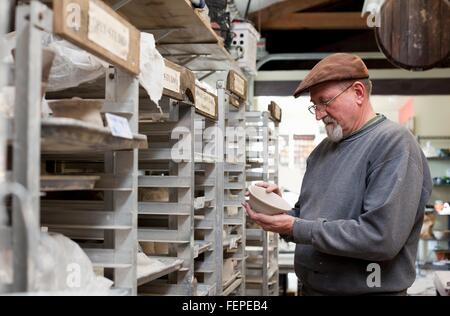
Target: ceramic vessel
87, 111
267, 203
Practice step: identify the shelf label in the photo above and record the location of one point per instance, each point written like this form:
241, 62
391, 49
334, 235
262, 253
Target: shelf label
171, 80
205, 102
239, 85
108, 32
119, 126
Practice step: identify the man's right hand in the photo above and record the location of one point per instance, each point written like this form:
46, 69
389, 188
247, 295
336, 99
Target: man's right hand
270, 187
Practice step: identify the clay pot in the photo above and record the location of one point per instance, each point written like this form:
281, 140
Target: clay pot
267, 203
84, 110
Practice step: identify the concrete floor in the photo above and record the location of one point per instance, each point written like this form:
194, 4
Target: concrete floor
423, 286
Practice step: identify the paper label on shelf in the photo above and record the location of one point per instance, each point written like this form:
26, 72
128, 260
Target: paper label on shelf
239, 85
107, 32
119, 126
205, 102
171, 80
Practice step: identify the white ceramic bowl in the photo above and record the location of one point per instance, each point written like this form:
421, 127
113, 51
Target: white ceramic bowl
267, 203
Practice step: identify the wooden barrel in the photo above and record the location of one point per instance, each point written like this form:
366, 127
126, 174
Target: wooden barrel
415, 34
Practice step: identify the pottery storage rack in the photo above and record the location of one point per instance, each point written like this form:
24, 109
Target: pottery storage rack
207, 158
107, 227
5, 137
231, 215
262, 165
166, 196
102, 211
178, 189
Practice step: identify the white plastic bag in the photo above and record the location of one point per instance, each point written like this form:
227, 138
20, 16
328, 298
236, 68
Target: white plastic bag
63, 267
152, 68
73, 66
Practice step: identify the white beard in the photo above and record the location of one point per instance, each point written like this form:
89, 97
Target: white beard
334, 130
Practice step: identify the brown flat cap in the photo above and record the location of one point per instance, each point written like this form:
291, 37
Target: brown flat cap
335, 67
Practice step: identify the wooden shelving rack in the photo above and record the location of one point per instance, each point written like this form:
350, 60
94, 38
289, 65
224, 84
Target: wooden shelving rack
262, 166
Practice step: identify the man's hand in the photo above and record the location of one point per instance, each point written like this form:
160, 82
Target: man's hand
281, 224
270, 187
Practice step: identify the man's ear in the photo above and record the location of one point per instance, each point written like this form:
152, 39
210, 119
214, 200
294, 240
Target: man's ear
360, 91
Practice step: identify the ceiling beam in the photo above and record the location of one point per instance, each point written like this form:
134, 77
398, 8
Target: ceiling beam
282, 8
317, 21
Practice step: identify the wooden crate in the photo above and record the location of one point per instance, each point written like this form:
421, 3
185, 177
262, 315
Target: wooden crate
178, 82
206, 103
275, 111
97, 28
237, 84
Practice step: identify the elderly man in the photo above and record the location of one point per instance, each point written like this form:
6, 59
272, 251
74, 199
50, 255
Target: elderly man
358, 218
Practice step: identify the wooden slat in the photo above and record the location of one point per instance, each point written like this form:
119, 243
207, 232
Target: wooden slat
77, 31
160, 235
77, 218
318, 21
159, 288
277, 10
70, 135
158, 17
109, 258
171, 265
163, 208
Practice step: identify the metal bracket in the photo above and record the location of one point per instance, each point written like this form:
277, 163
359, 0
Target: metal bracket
165, 32
41, 16
119, 4
209, 73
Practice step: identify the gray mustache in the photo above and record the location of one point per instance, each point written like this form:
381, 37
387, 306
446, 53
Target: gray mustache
327, 120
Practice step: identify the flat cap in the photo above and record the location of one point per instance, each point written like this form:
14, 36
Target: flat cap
336, 67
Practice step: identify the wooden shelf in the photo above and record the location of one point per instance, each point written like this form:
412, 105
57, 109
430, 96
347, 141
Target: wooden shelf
258, 279
202, 246
158, 17
69, 135
229, 282
67, 183
227, 291
181, 34
168, 265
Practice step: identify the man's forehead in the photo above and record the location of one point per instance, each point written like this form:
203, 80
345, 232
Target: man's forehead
322, 89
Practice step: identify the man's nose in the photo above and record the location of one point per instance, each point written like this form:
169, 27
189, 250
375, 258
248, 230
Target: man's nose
320, 115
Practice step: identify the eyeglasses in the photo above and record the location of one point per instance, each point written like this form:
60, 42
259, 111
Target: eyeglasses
322, 105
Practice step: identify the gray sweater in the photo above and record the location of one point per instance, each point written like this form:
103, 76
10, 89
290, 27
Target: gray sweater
362, 202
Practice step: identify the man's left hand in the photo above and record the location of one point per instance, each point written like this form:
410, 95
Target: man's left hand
281, 224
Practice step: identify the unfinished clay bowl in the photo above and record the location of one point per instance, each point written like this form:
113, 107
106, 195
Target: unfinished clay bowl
267, 203
84, 110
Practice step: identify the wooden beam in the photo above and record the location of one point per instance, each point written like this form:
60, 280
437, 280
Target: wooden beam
282, 8
317, 21
434, 86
